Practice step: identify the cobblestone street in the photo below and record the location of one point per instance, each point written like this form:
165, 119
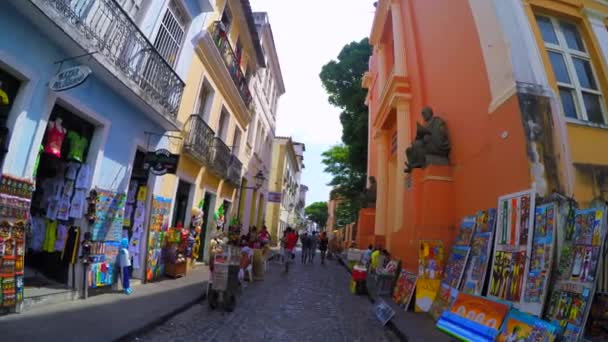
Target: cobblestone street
311, 303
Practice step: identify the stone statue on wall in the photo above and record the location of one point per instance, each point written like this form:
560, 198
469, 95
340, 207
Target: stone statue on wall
369, 197
431, 145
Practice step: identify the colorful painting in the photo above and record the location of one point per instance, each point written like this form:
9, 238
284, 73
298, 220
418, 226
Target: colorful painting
567, 308
475, 272
109, 216
515, 219
541, 261
404, 288
481, 310
485, 221
466, 231
430, 259
455, 266
519, 326
445, 297
426, 291
159, 224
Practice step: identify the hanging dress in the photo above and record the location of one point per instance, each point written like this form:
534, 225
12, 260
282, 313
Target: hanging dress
54, 142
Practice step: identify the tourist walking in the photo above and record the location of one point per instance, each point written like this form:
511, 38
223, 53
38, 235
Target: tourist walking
291, 239
313, 247
305, 240
323, 243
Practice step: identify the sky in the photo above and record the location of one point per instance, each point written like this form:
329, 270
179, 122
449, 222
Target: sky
308, 34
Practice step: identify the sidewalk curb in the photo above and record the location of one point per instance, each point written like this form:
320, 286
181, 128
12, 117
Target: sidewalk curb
400, 334
162, 319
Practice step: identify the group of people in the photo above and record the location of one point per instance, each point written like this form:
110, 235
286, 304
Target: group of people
255, 239
310, 243
375, 258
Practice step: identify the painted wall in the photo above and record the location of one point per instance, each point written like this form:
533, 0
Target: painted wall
124, 124
488, 156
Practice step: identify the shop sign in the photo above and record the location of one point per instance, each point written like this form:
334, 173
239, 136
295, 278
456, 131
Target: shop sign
383, 312
161, 162
70, 78
274, 197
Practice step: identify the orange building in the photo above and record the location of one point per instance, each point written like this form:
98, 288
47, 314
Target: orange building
515, 119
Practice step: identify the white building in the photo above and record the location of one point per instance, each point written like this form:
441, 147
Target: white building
267, 87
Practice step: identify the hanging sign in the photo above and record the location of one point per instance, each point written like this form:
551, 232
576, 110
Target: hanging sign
161, 162
69, 78
274, 197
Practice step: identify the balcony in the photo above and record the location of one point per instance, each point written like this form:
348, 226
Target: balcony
234, 170
103, 27
220, 158
199, 139
220, 37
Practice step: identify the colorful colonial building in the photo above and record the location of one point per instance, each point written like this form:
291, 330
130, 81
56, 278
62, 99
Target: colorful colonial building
521, 86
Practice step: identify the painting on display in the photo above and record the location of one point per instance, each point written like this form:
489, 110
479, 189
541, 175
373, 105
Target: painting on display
404, 288
570, 300
159, 223
515, 219
455, 266
430, 259
466, 231
426, 291
519, 326
541, 260
445, 297
109, 215
479, 258
473, 318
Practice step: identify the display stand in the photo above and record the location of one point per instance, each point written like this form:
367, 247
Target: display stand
576, 278
512, 245
176, 263
15, 199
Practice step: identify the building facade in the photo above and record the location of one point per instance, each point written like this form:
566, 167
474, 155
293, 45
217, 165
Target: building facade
216, 112
283, 187
88, 88
523, 100
267, 87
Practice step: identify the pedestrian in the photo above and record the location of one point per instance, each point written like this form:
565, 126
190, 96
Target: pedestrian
323, 243
313, 247
374, 259
245, 265
291, 239
367, 255
305, 240
282, 246
124, 263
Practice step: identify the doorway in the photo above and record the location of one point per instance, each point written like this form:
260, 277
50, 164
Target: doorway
136, 213
182, 197
208, 225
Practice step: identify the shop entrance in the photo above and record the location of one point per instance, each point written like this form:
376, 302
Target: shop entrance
9, 86
182, 197
62, 178
136, 213
208, 224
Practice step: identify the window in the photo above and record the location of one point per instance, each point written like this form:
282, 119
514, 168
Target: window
131, 7
205, 100
222, 127
227, 18
236, 142
171, 33
579, 90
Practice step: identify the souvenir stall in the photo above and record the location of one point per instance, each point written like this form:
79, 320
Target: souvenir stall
159, 224
62, 179
176, 246
106, 233
15, 197
135, 214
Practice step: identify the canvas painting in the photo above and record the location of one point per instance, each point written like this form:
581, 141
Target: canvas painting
466, 231
475, 272
455, 266
426, 291
430, 259
404, 288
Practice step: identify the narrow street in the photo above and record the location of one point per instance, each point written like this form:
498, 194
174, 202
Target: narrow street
311, 303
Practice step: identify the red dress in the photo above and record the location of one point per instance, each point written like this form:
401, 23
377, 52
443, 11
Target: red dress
55, 140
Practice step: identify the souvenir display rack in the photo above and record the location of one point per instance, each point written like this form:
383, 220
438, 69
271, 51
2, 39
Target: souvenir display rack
15, 200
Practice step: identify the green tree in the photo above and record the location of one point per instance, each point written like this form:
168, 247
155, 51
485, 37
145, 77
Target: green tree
346, 213
317, 212
341, 79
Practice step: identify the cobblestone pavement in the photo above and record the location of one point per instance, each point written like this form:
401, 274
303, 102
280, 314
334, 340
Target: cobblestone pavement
311, 303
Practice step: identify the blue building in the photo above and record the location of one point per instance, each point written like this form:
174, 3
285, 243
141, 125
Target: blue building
137, 53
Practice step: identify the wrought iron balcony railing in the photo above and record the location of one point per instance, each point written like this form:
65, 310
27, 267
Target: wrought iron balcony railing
220, 37
199, 139
103, 26
234, 170
221, 157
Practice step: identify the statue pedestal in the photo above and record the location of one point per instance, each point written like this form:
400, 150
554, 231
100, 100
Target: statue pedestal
365, 227
433, 188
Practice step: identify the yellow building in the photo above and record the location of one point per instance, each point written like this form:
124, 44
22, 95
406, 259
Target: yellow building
216, 110
283, 187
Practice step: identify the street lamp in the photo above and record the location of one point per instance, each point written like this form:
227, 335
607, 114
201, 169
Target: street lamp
259, 181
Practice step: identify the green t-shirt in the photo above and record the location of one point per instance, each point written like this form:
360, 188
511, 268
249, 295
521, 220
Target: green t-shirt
77, 146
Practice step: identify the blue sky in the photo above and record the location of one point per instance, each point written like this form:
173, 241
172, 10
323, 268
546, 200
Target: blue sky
308, 34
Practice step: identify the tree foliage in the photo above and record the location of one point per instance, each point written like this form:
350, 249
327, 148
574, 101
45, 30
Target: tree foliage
341, 79
317, 212
347, 162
